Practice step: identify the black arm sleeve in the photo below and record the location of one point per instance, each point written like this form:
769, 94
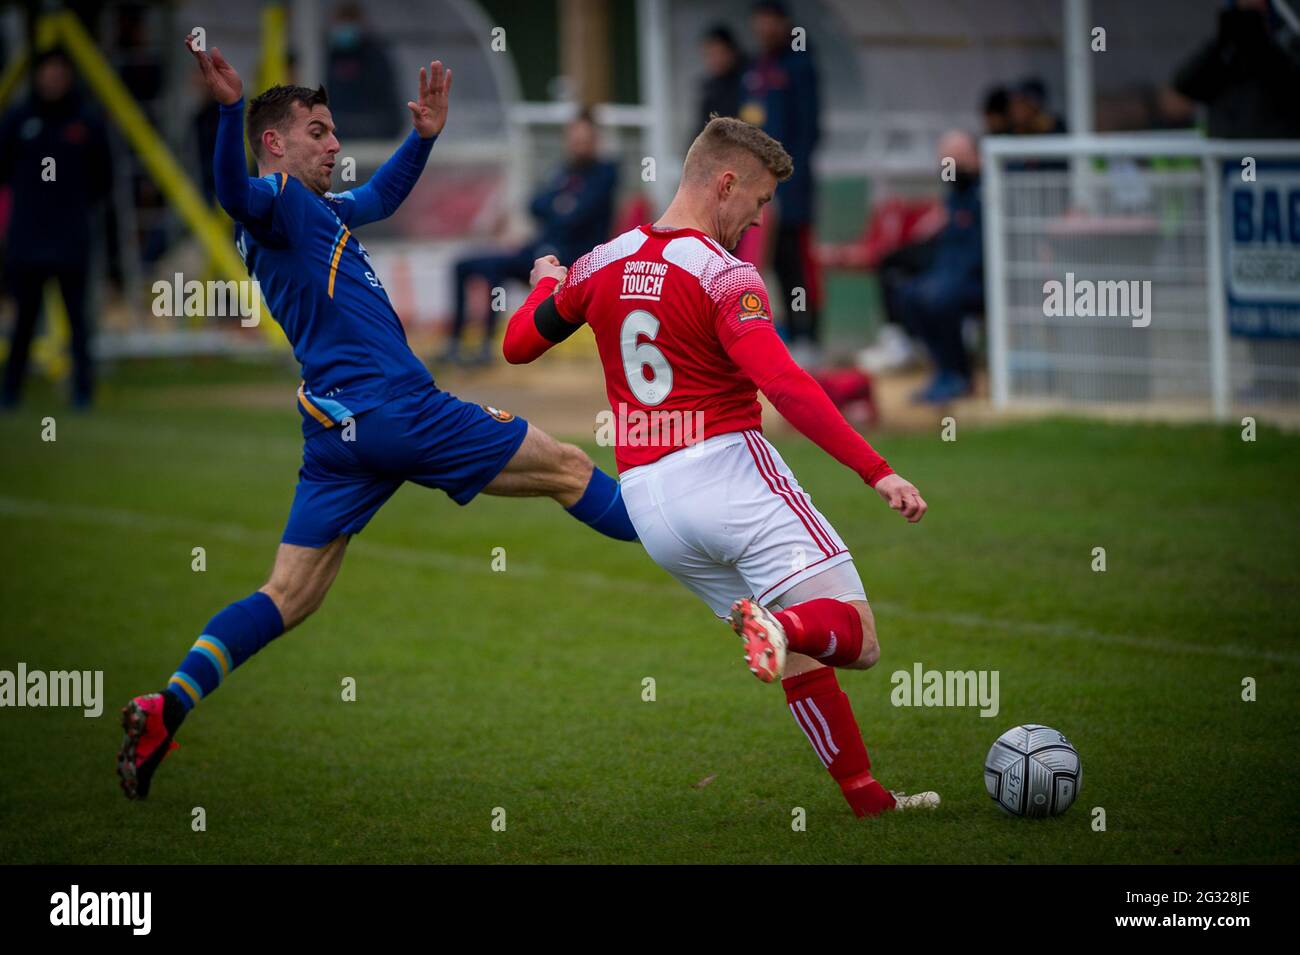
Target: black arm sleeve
549, 323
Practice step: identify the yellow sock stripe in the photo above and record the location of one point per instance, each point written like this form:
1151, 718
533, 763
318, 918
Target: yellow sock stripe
184, 685
312, 410
217, 651
338, 253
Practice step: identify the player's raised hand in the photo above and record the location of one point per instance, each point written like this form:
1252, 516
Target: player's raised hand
223, 82
902, 496
547, 267
429, 109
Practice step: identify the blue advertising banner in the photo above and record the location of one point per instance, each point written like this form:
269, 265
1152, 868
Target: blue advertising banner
1261, 224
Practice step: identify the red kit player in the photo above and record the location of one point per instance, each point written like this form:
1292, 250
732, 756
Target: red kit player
685, 335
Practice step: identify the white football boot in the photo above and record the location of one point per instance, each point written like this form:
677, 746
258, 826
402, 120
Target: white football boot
925, 800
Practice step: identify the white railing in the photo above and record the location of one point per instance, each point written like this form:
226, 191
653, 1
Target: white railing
1116, 208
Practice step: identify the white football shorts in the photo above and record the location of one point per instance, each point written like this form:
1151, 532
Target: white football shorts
728, 519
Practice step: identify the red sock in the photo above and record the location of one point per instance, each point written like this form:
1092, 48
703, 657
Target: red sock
823, 713
826, 629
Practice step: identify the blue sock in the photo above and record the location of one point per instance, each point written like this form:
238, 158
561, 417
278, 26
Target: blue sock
601, 508
230, 638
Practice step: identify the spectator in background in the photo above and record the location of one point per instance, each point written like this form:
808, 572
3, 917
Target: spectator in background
997, 111
1248, 78
1248, 75
894, 349
724, 65
1028, 116
359, 78
49, 233
780, 95
573, 213
935, 302
1027, 109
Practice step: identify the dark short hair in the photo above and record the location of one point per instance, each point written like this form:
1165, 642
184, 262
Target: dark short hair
272, 109
1033, 87
721, 33
51, 54
996, 100
773, 8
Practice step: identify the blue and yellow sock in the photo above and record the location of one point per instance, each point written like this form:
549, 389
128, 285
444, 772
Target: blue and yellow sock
230, 638
601, 508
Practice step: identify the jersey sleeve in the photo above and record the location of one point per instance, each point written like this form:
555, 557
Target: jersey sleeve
388, 187
574, 294
273, 207
801, 401
740, 303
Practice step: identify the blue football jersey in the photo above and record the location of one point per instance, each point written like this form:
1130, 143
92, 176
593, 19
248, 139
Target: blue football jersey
317, 278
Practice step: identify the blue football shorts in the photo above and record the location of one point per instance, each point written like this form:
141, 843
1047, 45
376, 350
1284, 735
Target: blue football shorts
427, 436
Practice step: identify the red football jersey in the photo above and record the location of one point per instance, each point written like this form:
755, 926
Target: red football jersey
663, 305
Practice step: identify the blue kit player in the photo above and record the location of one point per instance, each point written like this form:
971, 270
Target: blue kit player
372, 416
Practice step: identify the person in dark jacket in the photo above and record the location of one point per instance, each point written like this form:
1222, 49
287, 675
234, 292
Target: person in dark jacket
935, 302
54, 154
724, 65
1247, 76
780, 95
573, 211
359, 77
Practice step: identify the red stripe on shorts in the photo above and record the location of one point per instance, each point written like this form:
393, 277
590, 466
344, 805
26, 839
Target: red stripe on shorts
783, 492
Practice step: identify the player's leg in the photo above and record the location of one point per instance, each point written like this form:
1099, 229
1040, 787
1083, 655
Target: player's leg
545, 467
336, 496
298, 583
838, 630
72, 285
28, 285
796, 564
822, 710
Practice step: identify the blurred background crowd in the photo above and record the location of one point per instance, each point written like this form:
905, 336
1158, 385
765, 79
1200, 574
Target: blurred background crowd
570, 118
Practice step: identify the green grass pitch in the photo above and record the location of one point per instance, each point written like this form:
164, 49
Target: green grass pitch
523, 689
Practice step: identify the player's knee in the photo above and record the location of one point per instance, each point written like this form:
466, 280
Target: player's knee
296, 600
870, 654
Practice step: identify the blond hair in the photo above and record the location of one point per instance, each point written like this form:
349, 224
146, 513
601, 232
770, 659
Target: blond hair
725, 139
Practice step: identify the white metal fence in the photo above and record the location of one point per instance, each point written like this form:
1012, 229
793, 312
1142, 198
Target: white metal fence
1076, 227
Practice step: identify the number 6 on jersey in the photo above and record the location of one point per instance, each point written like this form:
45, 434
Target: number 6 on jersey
637, 356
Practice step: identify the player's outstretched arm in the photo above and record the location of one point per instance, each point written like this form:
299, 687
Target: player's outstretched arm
762, 355
221, 78
538, 326
235, 190
393, 181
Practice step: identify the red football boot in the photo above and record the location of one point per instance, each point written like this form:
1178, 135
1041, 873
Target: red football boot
148, 741
763, 636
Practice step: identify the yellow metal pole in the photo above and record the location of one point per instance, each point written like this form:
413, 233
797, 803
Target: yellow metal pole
158, 161
50, 351
273, 68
